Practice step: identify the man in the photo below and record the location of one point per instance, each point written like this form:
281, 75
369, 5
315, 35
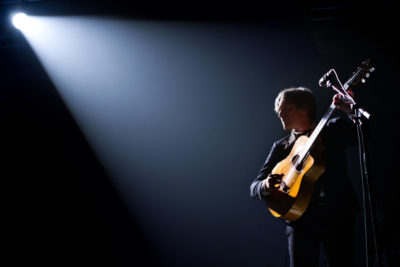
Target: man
329, 217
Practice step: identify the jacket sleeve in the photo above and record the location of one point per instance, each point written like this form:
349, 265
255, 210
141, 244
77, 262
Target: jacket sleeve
256, 190
343, 130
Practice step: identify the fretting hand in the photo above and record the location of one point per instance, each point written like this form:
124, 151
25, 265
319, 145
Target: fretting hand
341, 103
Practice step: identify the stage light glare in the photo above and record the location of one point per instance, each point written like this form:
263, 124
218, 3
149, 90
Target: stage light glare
20, 21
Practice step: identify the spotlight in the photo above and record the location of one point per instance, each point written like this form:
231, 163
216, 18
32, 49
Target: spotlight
20, 21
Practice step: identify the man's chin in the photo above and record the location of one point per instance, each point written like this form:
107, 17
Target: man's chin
286, 127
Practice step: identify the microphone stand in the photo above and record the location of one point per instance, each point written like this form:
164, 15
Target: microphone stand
368, 201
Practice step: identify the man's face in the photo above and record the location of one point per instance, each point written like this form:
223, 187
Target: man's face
290, 116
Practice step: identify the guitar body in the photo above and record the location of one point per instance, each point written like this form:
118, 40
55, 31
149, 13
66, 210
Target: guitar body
291, 200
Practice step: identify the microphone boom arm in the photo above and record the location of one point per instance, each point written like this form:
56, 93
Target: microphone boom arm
342, 90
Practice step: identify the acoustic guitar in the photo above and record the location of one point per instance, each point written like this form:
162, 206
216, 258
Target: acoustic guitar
300, 168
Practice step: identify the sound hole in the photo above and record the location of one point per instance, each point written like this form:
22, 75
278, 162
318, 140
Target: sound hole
296, 164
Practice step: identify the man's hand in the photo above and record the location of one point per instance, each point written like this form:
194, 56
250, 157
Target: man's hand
273, 181
343, 104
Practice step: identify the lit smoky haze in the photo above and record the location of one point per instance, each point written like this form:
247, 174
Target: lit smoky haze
181, 116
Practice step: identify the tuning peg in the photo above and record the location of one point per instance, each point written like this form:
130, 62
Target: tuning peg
363, 80
372, 69
367, 75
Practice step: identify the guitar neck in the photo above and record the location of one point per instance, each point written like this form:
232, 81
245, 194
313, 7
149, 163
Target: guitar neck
356, 77
317, 131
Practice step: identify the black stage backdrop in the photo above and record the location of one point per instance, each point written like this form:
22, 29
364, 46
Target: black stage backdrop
175, 190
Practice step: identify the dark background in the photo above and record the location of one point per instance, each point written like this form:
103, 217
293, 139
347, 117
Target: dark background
60, 205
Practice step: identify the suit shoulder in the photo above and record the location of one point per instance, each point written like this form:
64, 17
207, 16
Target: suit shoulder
334, 120
282, 141
339, 122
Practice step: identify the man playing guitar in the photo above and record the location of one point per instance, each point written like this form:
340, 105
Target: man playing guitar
327, 213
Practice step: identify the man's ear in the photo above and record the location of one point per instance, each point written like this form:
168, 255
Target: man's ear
303, 110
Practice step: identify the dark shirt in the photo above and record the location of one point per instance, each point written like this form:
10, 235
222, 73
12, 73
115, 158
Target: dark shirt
333, 190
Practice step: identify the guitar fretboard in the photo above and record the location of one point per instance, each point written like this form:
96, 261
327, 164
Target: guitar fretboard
316, 132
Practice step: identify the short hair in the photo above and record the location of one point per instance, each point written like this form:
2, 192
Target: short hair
302, 97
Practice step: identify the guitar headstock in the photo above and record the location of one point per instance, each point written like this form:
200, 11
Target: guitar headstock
363, 71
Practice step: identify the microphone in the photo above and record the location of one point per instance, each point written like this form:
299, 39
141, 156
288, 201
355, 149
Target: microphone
325, 80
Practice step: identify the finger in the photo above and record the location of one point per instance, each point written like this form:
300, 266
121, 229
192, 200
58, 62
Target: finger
338, 98
276, 174
274, 177
277, 185
275, 180
274, 183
